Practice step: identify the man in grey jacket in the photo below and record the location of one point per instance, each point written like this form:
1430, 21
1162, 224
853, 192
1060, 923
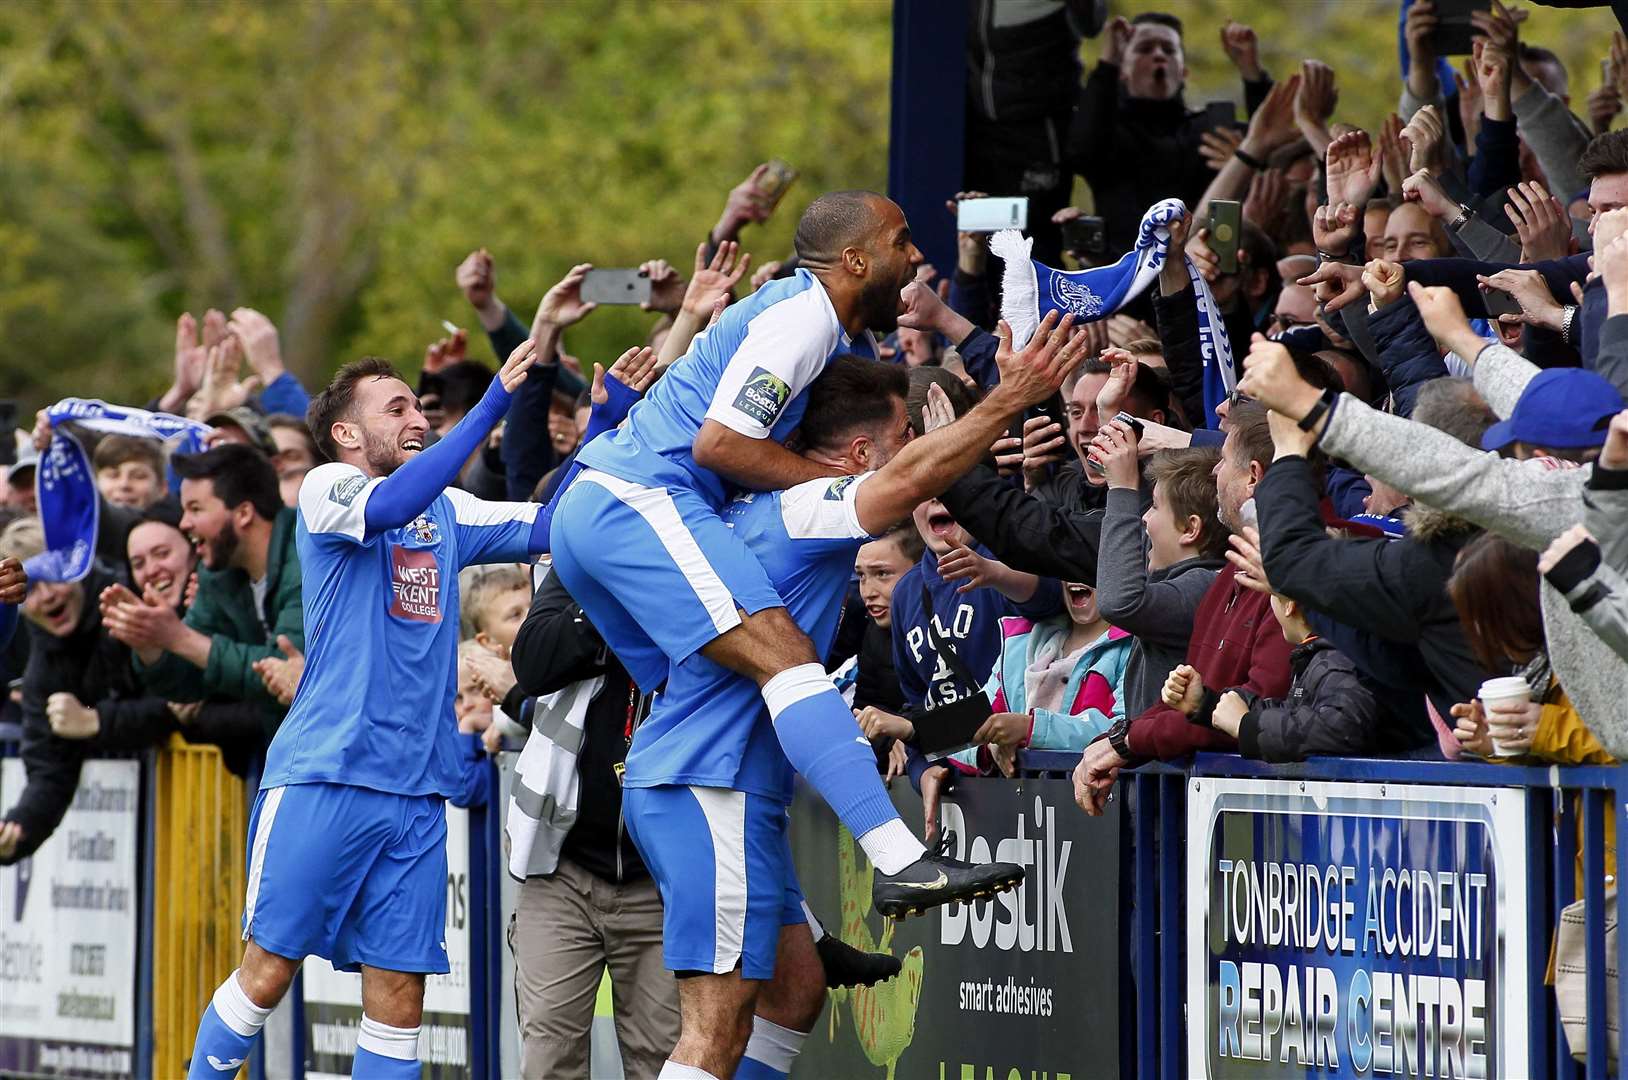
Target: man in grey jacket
1588, 562
1529, 499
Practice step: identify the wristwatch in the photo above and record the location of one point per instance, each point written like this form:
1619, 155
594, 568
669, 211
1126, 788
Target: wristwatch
1119, 738
1566, 323
1325, 402
1463, 216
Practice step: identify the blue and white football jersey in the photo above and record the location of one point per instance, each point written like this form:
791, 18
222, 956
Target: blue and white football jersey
749, 373
710, 727
374, 707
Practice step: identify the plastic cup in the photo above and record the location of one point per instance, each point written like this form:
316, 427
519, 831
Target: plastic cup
1509, 688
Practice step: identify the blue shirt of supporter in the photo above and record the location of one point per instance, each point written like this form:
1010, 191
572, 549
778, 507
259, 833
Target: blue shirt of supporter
749, 373
710, 727
374, 707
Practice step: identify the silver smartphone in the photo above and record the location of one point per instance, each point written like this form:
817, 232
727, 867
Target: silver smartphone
616, 287
992, 215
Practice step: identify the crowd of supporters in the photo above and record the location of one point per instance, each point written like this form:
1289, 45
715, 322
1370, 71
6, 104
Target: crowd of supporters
1418, 486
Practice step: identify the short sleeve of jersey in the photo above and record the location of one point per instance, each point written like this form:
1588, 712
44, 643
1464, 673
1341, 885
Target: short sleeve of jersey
333, 500
785, 348
823, 510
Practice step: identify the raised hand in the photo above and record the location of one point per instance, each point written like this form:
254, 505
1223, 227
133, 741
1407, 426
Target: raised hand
446, 351
714, 279
1615, 453
1043, 443
1492, 66
258, 336
214, 328
1334, 227
222, 389
1115, 37
1034, 374
1270, 378
746, 205
1287, 441
1273, 124
936, 411
1267, 200
563, 305
477, 277
1443, 316
1335, 284
1540, 221
1384, 281
1114, 449
191, 359
667, 286
634, 369
1243, 49
1393, 155
1427, 191
514, 369
965, 565
13, 581
1217, 147
764, 274
1418, 29
1314, 104
1353, 169
1426, 139
1531, 291
1245, 553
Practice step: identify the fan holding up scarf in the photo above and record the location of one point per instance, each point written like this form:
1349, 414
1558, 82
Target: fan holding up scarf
70, 508
1030, 289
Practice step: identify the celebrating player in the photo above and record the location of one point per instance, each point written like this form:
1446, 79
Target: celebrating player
347, 854
707, 785
638, 540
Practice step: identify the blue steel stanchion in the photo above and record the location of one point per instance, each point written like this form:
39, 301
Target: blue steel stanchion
146, 828
1143, 914
1540, 1011
1594, 927
1172, 819
1563, 887
1619, 809
480, 1027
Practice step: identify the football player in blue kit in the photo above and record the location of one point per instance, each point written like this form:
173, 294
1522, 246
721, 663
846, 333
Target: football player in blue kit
639, 541
347, 854
707, 785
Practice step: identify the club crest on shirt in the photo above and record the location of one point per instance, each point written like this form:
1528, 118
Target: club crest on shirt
763, 396
838, 486
415, 584
424, 530
345, 491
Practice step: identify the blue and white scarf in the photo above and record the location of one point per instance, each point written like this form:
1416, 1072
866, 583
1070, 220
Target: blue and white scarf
1030, 289
65, 483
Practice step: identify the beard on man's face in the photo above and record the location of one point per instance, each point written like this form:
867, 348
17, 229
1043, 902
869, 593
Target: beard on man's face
879, 300
219, 551
384, 456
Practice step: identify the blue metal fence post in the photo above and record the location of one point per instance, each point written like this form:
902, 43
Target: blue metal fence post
1619, 809
1594, 927
1143, 916
1539, 1007
1563, 887
1172, 867
147, 829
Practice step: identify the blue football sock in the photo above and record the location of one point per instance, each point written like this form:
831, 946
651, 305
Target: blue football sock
227, 1032
822, 740
384, 1052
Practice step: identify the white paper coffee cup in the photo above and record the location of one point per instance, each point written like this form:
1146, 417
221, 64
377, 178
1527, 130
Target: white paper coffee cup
1509, 688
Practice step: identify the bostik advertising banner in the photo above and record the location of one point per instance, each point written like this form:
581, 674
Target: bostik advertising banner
1025, 985
1355, 930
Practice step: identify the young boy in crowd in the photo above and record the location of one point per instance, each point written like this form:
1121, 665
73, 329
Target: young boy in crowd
879, 567
1328, 710
495, 602
1157, 559
129, 471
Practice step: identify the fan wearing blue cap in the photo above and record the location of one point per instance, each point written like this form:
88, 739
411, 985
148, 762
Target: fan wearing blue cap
1562, 412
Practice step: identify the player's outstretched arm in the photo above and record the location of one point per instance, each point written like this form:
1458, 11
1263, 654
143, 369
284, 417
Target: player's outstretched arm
409, 491
930, 464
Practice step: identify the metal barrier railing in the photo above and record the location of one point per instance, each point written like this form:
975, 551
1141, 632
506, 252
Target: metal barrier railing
1566, 812
200, 822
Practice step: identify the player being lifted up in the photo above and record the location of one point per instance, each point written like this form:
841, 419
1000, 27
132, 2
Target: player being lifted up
638, 540
707, 785
347, 856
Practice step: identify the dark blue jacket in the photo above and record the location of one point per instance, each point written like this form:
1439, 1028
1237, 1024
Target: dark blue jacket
1407, 353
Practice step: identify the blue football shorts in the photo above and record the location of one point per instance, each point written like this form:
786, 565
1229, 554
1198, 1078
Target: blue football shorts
656, 569
722, 860
350, 874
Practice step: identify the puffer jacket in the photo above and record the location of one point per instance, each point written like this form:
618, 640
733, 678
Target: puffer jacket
1328, 710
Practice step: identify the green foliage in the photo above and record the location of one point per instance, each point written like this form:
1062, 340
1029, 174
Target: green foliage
331, 161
